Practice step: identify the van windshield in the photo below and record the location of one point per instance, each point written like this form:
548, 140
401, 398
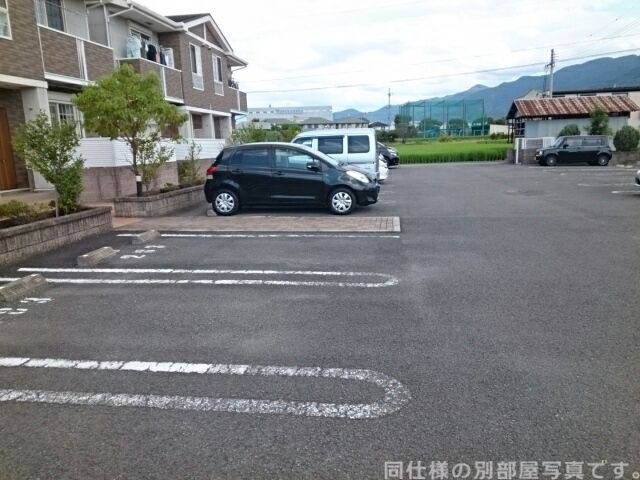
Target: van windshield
559, 142
327, 158
323, 156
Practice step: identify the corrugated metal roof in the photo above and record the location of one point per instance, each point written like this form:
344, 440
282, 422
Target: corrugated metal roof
571, 106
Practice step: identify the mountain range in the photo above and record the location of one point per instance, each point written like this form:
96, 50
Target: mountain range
595, 74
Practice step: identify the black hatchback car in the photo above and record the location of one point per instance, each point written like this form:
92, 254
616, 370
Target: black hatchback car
591, 149
285, 174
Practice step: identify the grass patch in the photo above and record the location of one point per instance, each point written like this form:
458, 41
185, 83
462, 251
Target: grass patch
454, 151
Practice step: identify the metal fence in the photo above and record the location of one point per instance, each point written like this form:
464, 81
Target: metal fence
462, 118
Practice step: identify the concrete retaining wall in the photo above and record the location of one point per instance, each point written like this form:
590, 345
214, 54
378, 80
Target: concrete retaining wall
161, 204
23, 241
626, 158
107, 183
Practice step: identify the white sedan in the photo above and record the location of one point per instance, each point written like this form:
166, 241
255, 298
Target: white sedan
383, 169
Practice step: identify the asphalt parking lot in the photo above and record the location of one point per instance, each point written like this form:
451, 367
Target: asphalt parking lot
501, 324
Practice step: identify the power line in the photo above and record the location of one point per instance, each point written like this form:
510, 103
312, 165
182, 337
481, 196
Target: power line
433, 77
445, 60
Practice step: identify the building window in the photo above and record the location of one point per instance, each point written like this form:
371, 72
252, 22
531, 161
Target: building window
217, 75
5, 27
196, 67
197, 121
49, 13
62, 112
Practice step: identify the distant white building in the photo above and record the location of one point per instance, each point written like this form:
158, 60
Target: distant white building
292, 114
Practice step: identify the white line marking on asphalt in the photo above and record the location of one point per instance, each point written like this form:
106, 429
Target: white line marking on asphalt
13, 311
627, 184
259, 235
396, 395
127, 257
624, 192
385, 280
35, 300
156, 246
146, 250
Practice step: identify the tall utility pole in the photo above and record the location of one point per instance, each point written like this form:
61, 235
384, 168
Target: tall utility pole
551, 65
389, 110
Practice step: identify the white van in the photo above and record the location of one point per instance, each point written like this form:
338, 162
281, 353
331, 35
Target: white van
352, 146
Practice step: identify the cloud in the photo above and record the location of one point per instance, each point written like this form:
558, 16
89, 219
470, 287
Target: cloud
293, 44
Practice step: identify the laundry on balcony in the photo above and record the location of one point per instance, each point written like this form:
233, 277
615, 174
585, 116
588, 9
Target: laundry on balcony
134, 46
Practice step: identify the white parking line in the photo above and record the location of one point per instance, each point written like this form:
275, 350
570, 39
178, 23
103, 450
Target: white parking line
626, 184
396, 395
259, 235
625, 192
384, 279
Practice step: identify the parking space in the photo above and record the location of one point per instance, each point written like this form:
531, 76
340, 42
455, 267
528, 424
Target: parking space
500, 323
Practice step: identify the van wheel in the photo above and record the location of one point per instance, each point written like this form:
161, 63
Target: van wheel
225, 202
603, 160
342, 201
551, 161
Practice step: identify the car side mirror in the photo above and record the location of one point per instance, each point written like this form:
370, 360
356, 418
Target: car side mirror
313, 166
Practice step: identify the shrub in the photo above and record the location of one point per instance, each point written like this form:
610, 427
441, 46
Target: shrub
49, 148
20, 213
498, 136
626, 139
444, 138
570, 129
151, 158
169, 187
189, 169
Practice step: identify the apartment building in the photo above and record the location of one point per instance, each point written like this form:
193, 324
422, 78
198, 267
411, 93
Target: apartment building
50, 49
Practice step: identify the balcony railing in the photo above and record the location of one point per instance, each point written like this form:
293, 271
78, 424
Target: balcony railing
170, 78
67, 55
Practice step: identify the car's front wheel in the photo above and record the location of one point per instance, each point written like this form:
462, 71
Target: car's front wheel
603, 160
342, 201
551, 161
225, 202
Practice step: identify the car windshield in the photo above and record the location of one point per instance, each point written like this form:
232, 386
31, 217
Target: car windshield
559, 142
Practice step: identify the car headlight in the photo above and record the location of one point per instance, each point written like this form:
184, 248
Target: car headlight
358, 176
538, 152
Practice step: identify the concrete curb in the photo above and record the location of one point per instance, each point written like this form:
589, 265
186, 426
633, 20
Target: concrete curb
95, 257
396, 225
144, 237
21, 287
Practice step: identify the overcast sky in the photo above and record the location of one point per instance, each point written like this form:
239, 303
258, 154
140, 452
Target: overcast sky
379, 44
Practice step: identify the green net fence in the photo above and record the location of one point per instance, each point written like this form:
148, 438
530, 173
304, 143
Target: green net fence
462, 118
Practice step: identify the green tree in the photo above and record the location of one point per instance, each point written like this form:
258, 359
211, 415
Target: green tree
287, 131
49, 148
626, 139
401, 119
248, 133
429, 124
128, 106
599, 122
569, 129
455, 124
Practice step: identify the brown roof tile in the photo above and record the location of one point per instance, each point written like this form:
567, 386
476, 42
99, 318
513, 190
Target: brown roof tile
571, 106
